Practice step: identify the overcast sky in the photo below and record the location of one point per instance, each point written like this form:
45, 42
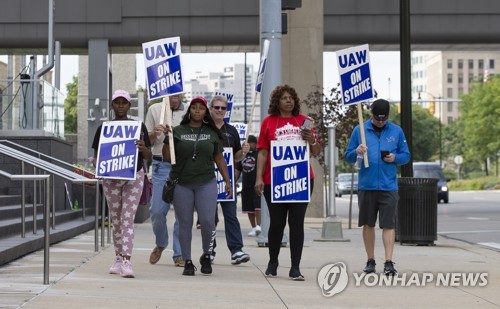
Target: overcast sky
384, 67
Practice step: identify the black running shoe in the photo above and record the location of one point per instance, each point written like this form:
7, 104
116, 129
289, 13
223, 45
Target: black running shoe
188, 268
370, 266
389, 269
272, 269
206, 264
295, 274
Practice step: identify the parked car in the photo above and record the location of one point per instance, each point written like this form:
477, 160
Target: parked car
432, 170
344, 181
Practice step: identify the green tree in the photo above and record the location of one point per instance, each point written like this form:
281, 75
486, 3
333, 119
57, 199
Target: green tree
70, 107
480, 111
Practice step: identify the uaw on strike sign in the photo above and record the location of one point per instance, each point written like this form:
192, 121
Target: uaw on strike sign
117, 154
221, 184
355, 78
290, 174
162, 59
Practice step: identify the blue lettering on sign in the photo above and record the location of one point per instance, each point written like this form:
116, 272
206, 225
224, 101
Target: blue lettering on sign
289, 153
165, 78
356, 85
161, 51
351, 59
116, 132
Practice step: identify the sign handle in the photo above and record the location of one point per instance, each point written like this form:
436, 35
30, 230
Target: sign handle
251, 116
362, 131
165, 109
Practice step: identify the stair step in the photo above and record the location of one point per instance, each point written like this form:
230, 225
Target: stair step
14, 246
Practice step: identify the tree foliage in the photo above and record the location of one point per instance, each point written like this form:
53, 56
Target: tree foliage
327, 110
480, 112
70, 107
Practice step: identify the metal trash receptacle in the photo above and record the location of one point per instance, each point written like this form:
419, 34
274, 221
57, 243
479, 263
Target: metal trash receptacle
417, 211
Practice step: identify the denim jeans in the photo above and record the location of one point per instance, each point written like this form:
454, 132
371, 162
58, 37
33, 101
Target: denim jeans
232, 226
158, 209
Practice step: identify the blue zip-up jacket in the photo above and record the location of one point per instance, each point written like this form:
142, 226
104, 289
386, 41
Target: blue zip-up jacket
380, 175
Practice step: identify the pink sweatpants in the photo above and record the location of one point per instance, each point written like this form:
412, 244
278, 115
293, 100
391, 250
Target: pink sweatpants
123, 199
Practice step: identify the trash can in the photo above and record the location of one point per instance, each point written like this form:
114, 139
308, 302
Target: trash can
417, 211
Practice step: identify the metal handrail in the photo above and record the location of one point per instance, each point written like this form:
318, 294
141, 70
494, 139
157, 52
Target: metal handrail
55, 170
46, 216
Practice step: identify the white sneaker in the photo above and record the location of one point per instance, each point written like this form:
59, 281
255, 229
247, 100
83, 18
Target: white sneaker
126, 269
117, 266
239, 257
258, 230
253, 232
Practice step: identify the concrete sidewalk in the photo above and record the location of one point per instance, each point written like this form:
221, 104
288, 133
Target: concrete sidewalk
79, 276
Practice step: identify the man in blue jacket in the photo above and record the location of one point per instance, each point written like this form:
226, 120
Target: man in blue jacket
386, 148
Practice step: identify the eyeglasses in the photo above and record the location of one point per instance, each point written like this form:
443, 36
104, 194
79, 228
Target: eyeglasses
219, 108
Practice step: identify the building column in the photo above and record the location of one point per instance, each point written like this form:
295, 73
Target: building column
302, 67
98, 88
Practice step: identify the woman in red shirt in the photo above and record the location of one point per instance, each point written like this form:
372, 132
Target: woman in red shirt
283, 123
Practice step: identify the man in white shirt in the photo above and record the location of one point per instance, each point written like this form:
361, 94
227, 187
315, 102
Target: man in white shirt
160, 170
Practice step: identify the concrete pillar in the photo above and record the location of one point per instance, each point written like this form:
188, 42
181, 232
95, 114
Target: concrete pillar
302, 68
98, 87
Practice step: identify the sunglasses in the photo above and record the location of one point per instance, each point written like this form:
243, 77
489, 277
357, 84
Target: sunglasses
219, 108
378, 118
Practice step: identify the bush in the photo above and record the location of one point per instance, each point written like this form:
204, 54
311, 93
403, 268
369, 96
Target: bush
484, 183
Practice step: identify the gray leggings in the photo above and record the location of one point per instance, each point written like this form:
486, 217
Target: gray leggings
203, 198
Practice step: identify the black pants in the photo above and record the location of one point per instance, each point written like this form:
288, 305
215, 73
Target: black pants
278, 213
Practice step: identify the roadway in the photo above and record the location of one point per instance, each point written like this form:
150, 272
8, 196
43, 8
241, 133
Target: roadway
470, 216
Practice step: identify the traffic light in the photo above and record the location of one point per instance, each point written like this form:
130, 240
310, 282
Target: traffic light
432, 107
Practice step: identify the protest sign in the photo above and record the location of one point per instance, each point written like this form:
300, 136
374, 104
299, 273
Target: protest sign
242, 130
162, 60
354, 70
117, 154
290, 174
221, 190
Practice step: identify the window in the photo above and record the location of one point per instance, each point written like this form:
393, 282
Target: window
450, 106
492, 63
480, 64
471, 64
460, 78
450, 64
460, 64
450, 119
450, 92
460, 91
471, 77
450, 78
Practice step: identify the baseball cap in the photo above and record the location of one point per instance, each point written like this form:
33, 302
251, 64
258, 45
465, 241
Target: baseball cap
199, 99
380, 109
252, 139
121, 93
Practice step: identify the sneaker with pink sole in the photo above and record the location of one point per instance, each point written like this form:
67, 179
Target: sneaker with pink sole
117, 266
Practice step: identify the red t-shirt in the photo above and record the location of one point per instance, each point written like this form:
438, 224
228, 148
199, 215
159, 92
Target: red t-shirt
274, 128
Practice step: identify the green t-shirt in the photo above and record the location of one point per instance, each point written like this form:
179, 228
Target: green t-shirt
202, 168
